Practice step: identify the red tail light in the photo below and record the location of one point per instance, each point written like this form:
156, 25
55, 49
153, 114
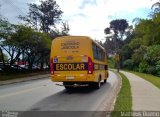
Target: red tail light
90, 66
52, 66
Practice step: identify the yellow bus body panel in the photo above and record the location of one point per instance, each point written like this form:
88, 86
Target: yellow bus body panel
70, 50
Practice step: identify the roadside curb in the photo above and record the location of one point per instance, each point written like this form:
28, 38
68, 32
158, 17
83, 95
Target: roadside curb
117, 89
24, 79
109, 105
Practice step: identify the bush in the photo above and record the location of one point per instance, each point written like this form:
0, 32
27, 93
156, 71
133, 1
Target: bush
136, 69
158, 73
158, 68
152, 55
151, 70
143, 66
128, 64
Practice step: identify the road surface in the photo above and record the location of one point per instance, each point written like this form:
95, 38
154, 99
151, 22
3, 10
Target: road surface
44, 95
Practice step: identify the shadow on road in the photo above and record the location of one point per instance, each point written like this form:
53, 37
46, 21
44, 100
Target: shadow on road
83, 90
69, 103
70, 99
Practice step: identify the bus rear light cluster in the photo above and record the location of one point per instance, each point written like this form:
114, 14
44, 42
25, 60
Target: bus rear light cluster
90, 66
52, 66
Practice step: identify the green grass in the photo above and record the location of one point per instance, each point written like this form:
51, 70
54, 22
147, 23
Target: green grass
10, 76
124, 100
153, 79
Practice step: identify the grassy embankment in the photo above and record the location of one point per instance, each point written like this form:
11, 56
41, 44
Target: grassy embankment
153, 79
124, 100
10, 76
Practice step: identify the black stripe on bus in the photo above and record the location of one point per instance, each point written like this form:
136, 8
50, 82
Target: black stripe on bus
70, 66
77, 66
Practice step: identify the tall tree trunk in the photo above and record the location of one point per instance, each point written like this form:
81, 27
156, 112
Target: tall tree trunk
42, 61
2, 57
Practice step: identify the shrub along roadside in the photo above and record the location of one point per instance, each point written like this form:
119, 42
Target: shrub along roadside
124, 100
151, 78
146, 59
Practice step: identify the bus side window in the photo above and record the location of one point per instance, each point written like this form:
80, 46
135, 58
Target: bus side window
103, 56
94, 51
98, 53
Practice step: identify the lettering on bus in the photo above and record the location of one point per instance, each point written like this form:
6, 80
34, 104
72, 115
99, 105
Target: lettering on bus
70, 66
70, 45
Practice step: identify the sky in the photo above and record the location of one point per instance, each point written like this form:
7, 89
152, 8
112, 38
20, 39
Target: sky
85, 17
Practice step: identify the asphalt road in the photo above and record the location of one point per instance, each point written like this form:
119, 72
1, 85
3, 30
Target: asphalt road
44, 95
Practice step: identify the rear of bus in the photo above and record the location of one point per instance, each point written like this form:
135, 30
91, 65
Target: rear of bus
71, 61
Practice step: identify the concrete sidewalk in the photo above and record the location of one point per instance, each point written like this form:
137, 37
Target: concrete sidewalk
145, 96
24, 79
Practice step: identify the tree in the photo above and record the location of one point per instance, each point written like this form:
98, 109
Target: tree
109, 46
156, 7
34, 45
118, 27
145, 44
6, 29
141, 47
63, 32
43, 16
3, 57
116, 32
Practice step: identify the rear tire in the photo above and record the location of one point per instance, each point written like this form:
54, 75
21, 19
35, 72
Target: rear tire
105, 80
97, 85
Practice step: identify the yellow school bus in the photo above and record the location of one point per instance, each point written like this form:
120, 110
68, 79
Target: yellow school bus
78, 61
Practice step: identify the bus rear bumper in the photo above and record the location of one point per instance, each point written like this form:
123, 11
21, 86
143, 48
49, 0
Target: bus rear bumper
74, 85
76, 78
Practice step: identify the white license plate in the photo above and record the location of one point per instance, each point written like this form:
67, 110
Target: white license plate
70, 77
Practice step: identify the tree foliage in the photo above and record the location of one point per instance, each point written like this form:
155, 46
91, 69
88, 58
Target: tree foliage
156, 7
30, 42
43, 16
144, 44
6, 29
140, 49
33, 45
115, 33
118, 26
19, 40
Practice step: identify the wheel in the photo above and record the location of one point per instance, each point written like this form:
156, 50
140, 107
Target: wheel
105, 80
98, 85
